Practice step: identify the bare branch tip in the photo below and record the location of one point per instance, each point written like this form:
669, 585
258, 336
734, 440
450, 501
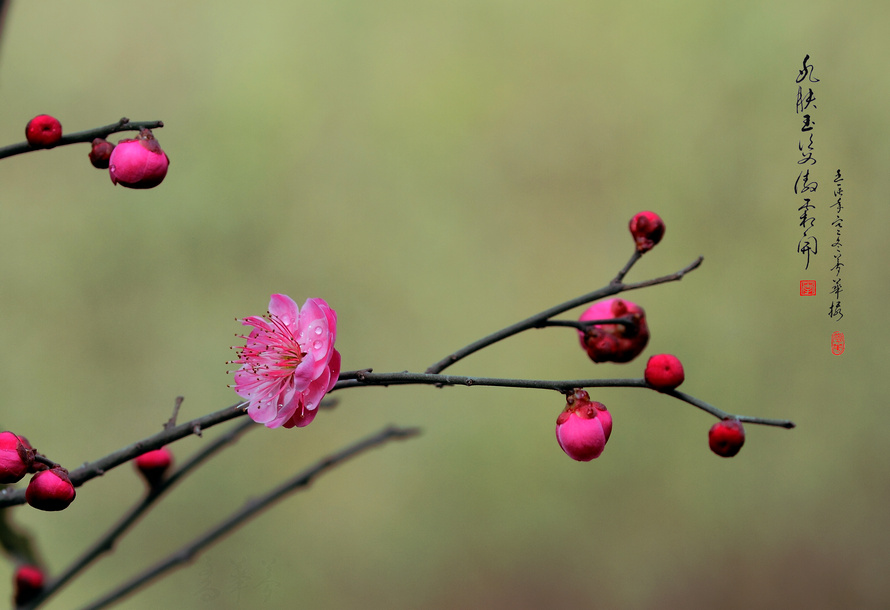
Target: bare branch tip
404, 432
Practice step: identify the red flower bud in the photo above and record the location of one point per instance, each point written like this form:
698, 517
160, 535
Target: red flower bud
664, 372
43, 131
726, 437
15, 458
154, 464
647, 229
583, 428
50, 490
28, 583
139, 163
100, 153
614, 342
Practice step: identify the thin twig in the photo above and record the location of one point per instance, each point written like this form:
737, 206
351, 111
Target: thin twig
583, 326
171, 423
251, 508
536, 320
106, 543
82, 136
353, 379
630, 263
78, 476
12, 497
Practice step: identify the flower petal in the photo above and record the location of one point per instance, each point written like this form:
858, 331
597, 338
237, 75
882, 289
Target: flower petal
283, 307
301, 418
335, 370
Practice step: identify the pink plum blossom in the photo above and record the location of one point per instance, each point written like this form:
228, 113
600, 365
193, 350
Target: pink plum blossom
289, 362
583, 428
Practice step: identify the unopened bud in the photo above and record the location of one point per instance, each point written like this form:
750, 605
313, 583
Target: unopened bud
583, 428
43, 131
139, 163
664, 372
50, 490
726, 437
100, 153
154, 464
614, 342
647, 229
15, 458
28, 582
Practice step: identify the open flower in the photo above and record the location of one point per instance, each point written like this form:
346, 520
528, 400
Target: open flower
289, 362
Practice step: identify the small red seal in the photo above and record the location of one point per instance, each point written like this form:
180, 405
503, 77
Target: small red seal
837, 343
807, 288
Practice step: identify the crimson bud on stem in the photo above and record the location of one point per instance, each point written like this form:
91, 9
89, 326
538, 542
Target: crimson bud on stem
664, 372
43, 131
50, 490
647, 229
726, 437
100, 153
139, 163
28, 583
154, 464
614, 342
583, 428
15, 458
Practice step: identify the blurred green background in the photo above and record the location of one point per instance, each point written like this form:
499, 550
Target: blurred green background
436, 171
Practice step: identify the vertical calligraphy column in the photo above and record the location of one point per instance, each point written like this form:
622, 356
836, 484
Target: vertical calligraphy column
804, 187
834, 309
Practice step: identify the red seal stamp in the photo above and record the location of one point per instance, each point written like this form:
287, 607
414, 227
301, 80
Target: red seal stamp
807, 288
837, 343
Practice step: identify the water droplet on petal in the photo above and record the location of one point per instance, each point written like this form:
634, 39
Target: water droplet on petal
316, 344
318, 330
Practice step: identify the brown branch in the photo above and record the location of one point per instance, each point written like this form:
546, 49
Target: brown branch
82, 136
249, 510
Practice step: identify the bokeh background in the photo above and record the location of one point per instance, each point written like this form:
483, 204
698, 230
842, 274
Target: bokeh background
436, 171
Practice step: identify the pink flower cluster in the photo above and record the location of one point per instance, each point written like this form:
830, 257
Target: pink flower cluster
289, 362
